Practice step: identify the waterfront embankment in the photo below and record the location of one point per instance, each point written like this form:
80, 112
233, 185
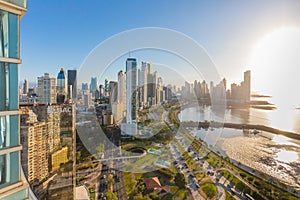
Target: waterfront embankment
258, 127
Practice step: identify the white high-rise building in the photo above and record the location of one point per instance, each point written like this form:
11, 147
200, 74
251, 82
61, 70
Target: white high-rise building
47, 89
159, 88
87, 100
119, 106
130, 127
131, 90
154, 88
121, 87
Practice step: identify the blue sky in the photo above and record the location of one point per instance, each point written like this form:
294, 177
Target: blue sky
57, 33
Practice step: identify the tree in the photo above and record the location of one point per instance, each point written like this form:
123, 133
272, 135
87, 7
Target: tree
153, 196
240, 186
111, 196
111, 180
180, 180
138, 196
100, 148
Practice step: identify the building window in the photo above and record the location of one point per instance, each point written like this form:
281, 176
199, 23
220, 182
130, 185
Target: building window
9, 169
9, 44
8, 86
8, 131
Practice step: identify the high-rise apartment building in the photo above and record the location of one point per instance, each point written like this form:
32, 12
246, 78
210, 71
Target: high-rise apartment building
144, 75
240, 93
93, 85
12, 184
72, 84
154, 88
131, 90
247, 86
84, 86
101, 91
46, 89
150, 85
121, 87
113, 92
118, 106
48, 139
159, 89
25, 87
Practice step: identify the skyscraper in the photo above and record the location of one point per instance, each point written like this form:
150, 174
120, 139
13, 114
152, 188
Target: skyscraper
118, 108
144, 82
247, 86
154, 88
131, 90
12, 183
84, 86
25, 87
113, 92
101, 91
47, 89
72, 84
159, 89
121, 87
62, 86
149, 83
93, 85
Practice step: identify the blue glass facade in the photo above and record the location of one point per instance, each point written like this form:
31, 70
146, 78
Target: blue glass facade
11, 184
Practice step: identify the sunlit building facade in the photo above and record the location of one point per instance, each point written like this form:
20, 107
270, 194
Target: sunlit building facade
48, 154
72, 84
131, 90
62, 86
47, 89
12, 182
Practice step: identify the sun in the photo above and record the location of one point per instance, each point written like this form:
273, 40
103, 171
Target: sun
275, 65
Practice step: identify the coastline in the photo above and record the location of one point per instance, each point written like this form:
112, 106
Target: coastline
269, 129
260, 162
207, 124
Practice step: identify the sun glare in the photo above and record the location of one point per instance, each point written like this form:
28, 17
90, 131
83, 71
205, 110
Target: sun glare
275, 62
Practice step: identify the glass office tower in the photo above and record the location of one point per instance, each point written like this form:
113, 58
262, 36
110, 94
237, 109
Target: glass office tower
12, 184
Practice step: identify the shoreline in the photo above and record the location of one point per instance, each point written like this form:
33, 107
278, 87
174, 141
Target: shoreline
207, 124
269, 129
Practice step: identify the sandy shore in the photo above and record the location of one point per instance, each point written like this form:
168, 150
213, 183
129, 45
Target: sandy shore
262, 154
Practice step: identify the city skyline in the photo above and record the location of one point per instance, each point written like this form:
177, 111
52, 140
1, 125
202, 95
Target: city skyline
239, 47
149, 100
